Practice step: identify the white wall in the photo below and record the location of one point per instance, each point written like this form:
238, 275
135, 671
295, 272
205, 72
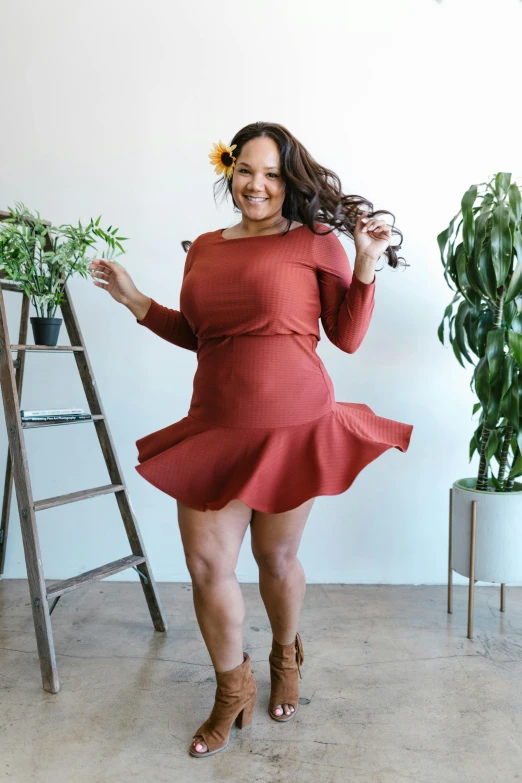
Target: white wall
111, 107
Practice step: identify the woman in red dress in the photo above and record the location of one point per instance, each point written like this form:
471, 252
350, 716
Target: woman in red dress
264, 434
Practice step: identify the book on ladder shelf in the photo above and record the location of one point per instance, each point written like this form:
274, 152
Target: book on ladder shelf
58, 414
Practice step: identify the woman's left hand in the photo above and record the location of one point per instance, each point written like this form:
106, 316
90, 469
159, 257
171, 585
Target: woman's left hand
371, 236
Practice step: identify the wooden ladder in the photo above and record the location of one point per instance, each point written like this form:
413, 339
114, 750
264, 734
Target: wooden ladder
11, 377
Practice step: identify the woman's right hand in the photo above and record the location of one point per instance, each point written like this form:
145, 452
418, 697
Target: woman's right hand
115, 279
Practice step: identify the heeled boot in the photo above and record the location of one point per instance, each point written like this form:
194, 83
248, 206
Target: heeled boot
234, 700
285, 665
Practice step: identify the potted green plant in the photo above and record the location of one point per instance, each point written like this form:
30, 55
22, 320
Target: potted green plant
481, 252
41, 258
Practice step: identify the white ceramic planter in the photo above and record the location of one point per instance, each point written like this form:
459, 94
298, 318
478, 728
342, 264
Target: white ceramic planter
498, 538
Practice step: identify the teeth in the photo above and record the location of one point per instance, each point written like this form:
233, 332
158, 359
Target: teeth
255, 200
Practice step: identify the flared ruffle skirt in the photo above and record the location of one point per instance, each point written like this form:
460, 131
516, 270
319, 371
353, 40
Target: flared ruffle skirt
271, 469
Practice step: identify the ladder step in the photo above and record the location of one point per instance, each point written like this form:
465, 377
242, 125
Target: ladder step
4, 215
59, 588
72, 497
11, 287
47, 348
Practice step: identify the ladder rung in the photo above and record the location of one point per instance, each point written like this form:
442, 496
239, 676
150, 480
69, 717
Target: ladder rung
27, 425
59, 588
4, 215
47, 348
11, 285
72, 497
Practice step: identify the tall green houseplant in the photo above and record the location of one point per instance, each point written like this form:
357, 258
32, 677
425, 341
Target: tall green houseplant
481, 252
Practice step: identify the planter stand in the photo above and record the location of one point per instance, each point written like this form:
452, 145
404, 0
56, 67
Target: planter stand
472, 580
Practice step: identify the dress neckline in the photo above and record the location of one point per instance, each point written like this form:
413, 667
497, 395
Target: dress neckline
258, 236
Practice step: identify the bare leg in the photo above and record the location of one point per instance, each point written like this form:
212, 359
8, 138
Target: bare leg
282, 581
211, 542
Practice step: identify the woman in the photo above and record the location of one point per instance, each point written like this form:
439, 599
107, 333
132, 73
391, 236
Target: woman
264, 434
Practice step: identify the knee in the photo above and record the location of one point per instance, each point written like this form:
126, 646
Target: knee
277, 563
204, 569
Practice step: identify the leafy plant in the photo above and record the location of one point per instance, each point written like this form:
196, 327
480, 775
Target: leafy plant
42, 258
481, 251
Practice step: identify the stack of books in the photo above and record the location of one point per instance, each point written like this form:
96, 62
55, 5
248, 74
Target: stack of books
58, 414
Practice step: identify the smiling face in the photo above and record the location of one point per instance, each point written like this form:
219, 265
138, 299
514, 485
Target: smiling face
257, 185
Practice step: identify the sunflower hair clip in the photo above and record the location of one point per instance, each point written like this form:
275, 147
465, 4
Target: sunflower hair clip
222, 159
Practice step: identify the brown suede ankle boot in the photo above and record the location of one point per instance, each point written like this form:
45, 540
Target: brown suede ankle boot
235, 698
285, 664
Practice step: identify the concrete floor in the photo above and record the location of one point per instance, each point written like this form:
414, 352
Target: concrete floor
392, 690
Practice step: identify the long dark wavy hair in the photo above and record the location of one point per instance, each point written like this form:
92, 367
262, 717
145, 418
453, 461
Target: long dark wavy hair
313, 193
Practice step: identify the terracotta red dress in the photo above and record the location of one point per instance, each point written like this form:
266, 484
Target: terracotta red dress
263, 424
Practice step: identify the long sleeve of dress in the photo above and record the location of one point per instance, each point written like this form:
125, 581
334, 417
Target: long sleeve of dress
346, 302
170, 324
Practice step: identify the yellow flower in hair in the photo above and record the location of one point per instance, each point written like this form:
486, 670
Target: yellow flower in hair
222, 159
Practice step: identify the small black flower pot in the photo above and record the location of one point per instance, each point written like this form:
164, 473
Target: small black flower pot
46, 330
